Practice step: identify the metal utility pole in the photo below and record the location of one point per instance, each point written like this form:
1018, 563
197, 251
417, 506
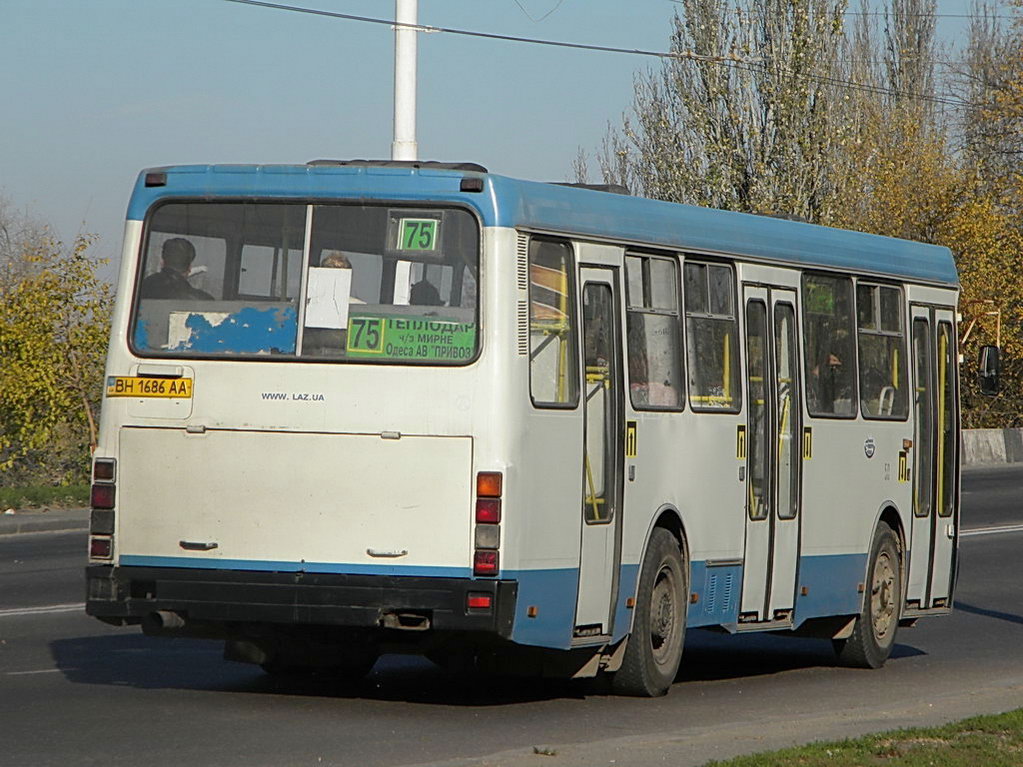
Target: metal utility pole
404, 146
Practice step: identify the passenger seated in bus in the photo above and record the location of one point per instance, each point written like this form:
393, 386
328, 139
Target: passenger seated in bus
830, 384
424, 293
172, 279
335, 259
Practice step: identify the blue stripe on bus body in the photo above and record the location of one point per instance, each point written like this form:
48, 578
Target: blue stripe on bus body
508, 202
133, 560
832, 583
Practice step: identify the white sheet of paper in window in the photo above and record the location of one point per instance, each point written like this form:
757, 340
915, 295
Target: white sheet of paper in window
402, 282
328, 298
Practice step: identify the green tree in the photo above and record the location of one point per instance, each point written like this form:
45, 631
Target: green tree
744, 117
54, 324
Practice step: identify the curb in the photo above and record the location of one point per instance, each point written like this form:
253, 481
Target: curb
991, 447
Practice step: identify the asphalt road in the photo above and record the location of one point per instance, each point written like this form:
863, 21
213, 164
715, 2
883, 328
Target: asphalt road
76, 692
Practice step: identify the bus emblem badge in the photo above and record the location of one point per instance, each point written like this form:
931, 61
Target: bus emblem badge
868, 447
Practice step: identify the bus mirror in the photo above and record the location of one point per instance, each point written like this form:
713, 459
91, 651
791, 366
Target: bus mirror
988, 370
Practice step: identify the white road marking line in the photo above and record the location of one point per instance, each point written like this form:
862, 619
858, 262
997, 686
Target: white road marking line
42, 610
991, 530
39, 671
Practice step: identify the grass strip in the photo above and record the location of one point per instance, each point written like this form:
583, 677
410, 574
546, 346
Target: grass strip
991, 741
36, 496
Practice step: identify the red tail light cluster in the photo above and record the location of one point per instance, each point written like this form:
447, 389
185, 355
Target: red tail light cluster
103, 497
478, 601
489, 487
101, 547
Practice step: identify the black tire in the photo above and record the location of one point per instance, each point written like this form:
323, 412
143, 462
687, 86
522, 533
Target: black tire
873, 635
654, 651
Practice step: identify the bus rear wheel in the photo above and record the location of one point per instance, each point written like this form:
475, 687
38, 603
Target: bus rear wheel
873, 636
654, 651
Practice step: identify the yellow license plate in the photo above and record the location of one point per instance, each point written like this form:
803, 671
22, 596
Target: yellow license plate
137, 386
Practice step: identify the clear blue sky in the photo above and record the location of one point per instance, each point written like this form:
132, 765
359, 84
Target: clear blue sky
95, 90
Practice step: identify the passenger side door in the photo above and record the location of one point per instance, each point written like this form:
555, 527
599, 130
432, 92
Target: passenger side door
773, 464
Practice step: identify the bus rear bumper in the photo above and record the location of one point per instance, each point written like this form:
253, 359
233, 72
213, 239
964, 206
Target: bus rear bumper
130, 595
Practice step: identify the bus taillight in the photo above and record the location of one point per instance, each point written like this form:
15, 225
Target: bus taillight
103, 469
102, 497
485, 563
488, 484
475, 601
101, 547
487, 535
488, 510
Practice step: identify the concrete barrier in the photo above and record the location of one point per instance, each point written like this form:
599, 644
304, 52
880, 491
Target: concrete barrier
992, 446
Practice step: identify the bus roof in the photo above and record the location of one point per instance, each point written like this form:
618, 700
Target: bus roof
538, 206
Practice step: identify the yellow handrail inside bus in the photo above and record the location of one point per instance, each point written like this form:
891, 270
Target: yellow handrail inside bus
783, 423
592, 499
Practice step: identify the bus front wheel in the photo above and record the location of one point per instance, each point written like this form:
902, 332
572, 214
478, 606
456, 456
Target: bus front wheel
654, 651
873, 636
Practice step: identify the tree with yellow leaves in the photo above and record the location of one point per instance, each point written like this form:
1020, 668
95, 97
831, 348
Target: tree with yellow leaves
54, 324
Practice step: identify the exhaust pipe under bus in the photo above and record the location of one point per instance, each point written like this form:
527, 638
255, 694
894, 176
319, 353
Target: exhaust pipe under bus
162, 622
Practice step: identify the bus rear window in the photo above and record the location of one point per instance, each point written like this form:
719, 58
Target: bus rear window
368, 283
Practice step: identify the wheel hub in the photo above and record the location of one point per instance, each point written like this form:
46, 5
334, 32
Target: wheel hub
662, 613
883, 596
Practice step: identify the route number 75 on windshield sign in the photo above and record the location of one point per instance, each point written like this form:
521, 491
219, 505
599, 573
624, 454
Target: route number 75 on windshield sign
418, 233
396, 338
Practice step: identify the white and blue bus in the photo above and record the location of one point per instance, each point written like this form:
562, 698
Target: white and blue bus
356, 408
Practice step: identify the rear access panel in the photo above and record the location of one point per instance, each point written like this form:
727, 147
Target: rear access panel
286, 501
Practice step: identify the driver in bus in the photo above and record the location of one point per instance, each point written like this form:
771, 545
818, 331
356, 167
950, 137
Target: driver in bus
172, 279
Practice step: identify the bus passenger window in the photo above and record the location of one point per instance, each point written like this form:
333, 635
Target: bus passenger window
379, 284
269, 272
829, 351
712, 337
215, 280
553, 350
884, 386
655, 366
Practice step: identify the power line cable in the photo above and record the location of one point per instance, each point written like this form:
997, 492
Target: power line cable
729, 60
487, 35
537, 21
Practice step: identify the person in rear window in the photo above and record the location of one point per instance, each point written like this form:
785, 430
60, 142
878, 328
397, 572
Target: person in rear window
424, 293
172, 279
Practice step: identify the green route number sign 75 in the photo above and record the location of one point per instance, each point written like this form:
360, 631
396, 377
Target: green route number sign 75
418, 233
366, 335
